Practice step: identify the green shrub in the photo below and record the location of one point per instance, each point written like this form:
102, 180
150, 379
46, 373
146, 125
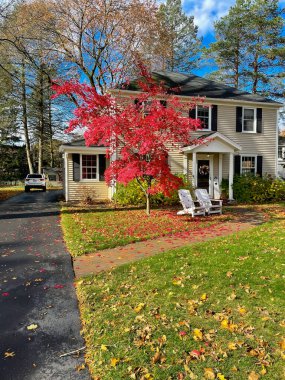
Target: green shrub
256, 189
132, 194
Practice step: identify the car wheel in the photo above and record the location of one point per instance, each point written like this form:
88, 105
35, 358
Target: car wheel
27, 189
44, 188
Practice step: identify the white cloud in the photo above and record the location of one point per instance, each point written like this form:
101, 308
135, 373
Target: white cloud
205, 12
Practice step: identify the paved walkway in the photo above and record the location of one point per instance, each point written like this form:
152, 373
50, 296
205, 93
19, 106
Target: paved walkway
110, 258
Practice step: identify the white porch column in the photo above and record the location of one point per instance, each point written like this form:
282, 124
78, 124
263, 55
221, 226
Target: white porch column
66, 176
231, 176
220, 168
194, 169
185, 164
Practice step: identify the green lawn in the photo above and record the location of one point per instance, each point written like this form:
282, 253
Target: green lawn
210, 311
87, 231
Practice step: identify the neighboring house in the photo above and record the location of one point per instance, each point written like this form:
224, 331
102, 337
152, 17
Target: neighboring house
53, 174
281, 157
242, 131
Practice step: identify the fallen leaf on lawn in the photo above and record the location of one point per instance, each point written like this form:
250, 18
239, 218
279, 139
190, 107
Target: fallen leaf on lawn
282, 344
221, 376
203, 297
114, 362
253, 376
242, 310
104, 348
156, 357
189, 372
9, 354
32, 327
229, 274
139, 307
263, 371
232, 346
197, 334
209, 374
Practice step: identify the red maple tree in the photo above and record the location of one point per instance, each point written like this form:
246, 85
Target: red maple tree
138, 135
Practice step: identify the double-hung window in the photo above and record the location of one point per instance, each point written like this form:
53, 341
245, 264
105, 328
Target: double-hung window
249, 120
204, 114
90, 166
248, 165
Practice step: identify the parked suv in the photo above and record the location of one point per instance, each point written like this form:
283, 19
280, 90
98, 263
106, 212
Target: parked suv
35, 181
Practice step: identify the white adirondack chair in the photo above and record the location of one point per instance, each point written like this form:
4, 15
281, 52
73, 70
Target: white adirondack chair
189, 206
212, 206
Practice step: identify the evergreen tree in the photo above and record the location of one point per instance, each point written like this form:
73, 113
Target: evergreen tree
249, 48
183, 42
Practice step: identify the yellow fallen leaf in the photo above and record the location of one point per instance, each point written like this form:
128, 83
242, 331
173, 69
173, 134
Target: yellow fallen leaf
263, 371
148, 376
139, 307
177, 282
104, 348
242, 310
232, 346
32, 327
234, 369
209, 374
203, 297
225, 324
9, 354
197, 334
253, 376
114, 362
220, 376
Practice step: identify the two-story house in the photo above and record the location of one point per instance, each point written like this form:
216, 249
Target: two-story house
242, 131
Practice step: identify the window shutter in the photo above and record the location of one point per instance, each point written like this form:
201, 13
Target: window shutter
76, 167
237, 165
239, 119
259, 166
214, 118
192, 113
102, 166
259, 120
163, 103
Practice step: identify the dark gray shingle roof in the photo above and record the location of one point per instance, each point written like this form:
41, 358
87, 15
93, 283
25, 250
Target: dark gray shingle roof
193, 85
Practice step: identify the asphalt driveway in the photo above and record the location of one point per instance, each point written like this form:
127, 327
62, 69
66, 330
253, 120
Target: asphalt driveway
39, 318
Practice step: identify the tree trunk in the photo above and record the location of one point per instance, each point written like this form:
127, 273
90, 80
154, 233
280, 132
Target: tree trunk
50, 134
41, 123
25, 117
147, 204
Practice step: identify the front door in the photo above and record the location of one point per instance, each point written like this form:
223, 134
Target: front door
203, 174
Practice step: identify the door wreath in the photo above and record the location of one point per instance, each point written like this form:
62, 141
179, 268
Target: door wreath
204, 170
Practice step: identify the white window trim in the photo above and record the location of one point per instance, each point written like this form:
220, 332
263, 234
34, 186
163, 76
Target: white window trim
254, 120
210, 117
97, 168
248, 155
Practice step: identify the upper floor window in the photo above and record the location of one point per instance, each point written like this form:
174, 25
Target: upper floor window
248, 165
204, 114
249, 120
89, 166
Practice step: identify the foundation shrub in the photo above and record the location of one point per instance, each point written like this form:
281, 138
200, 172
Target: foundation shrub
132, 194
256, 189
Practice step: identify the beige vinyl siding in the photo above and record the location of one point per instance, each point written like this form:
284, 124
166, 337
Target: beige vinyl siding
261, 144
175, 161
79, 190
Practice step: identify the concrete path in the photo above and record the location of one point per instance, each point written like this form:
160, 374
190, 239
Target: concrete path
110, 258
39, 318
